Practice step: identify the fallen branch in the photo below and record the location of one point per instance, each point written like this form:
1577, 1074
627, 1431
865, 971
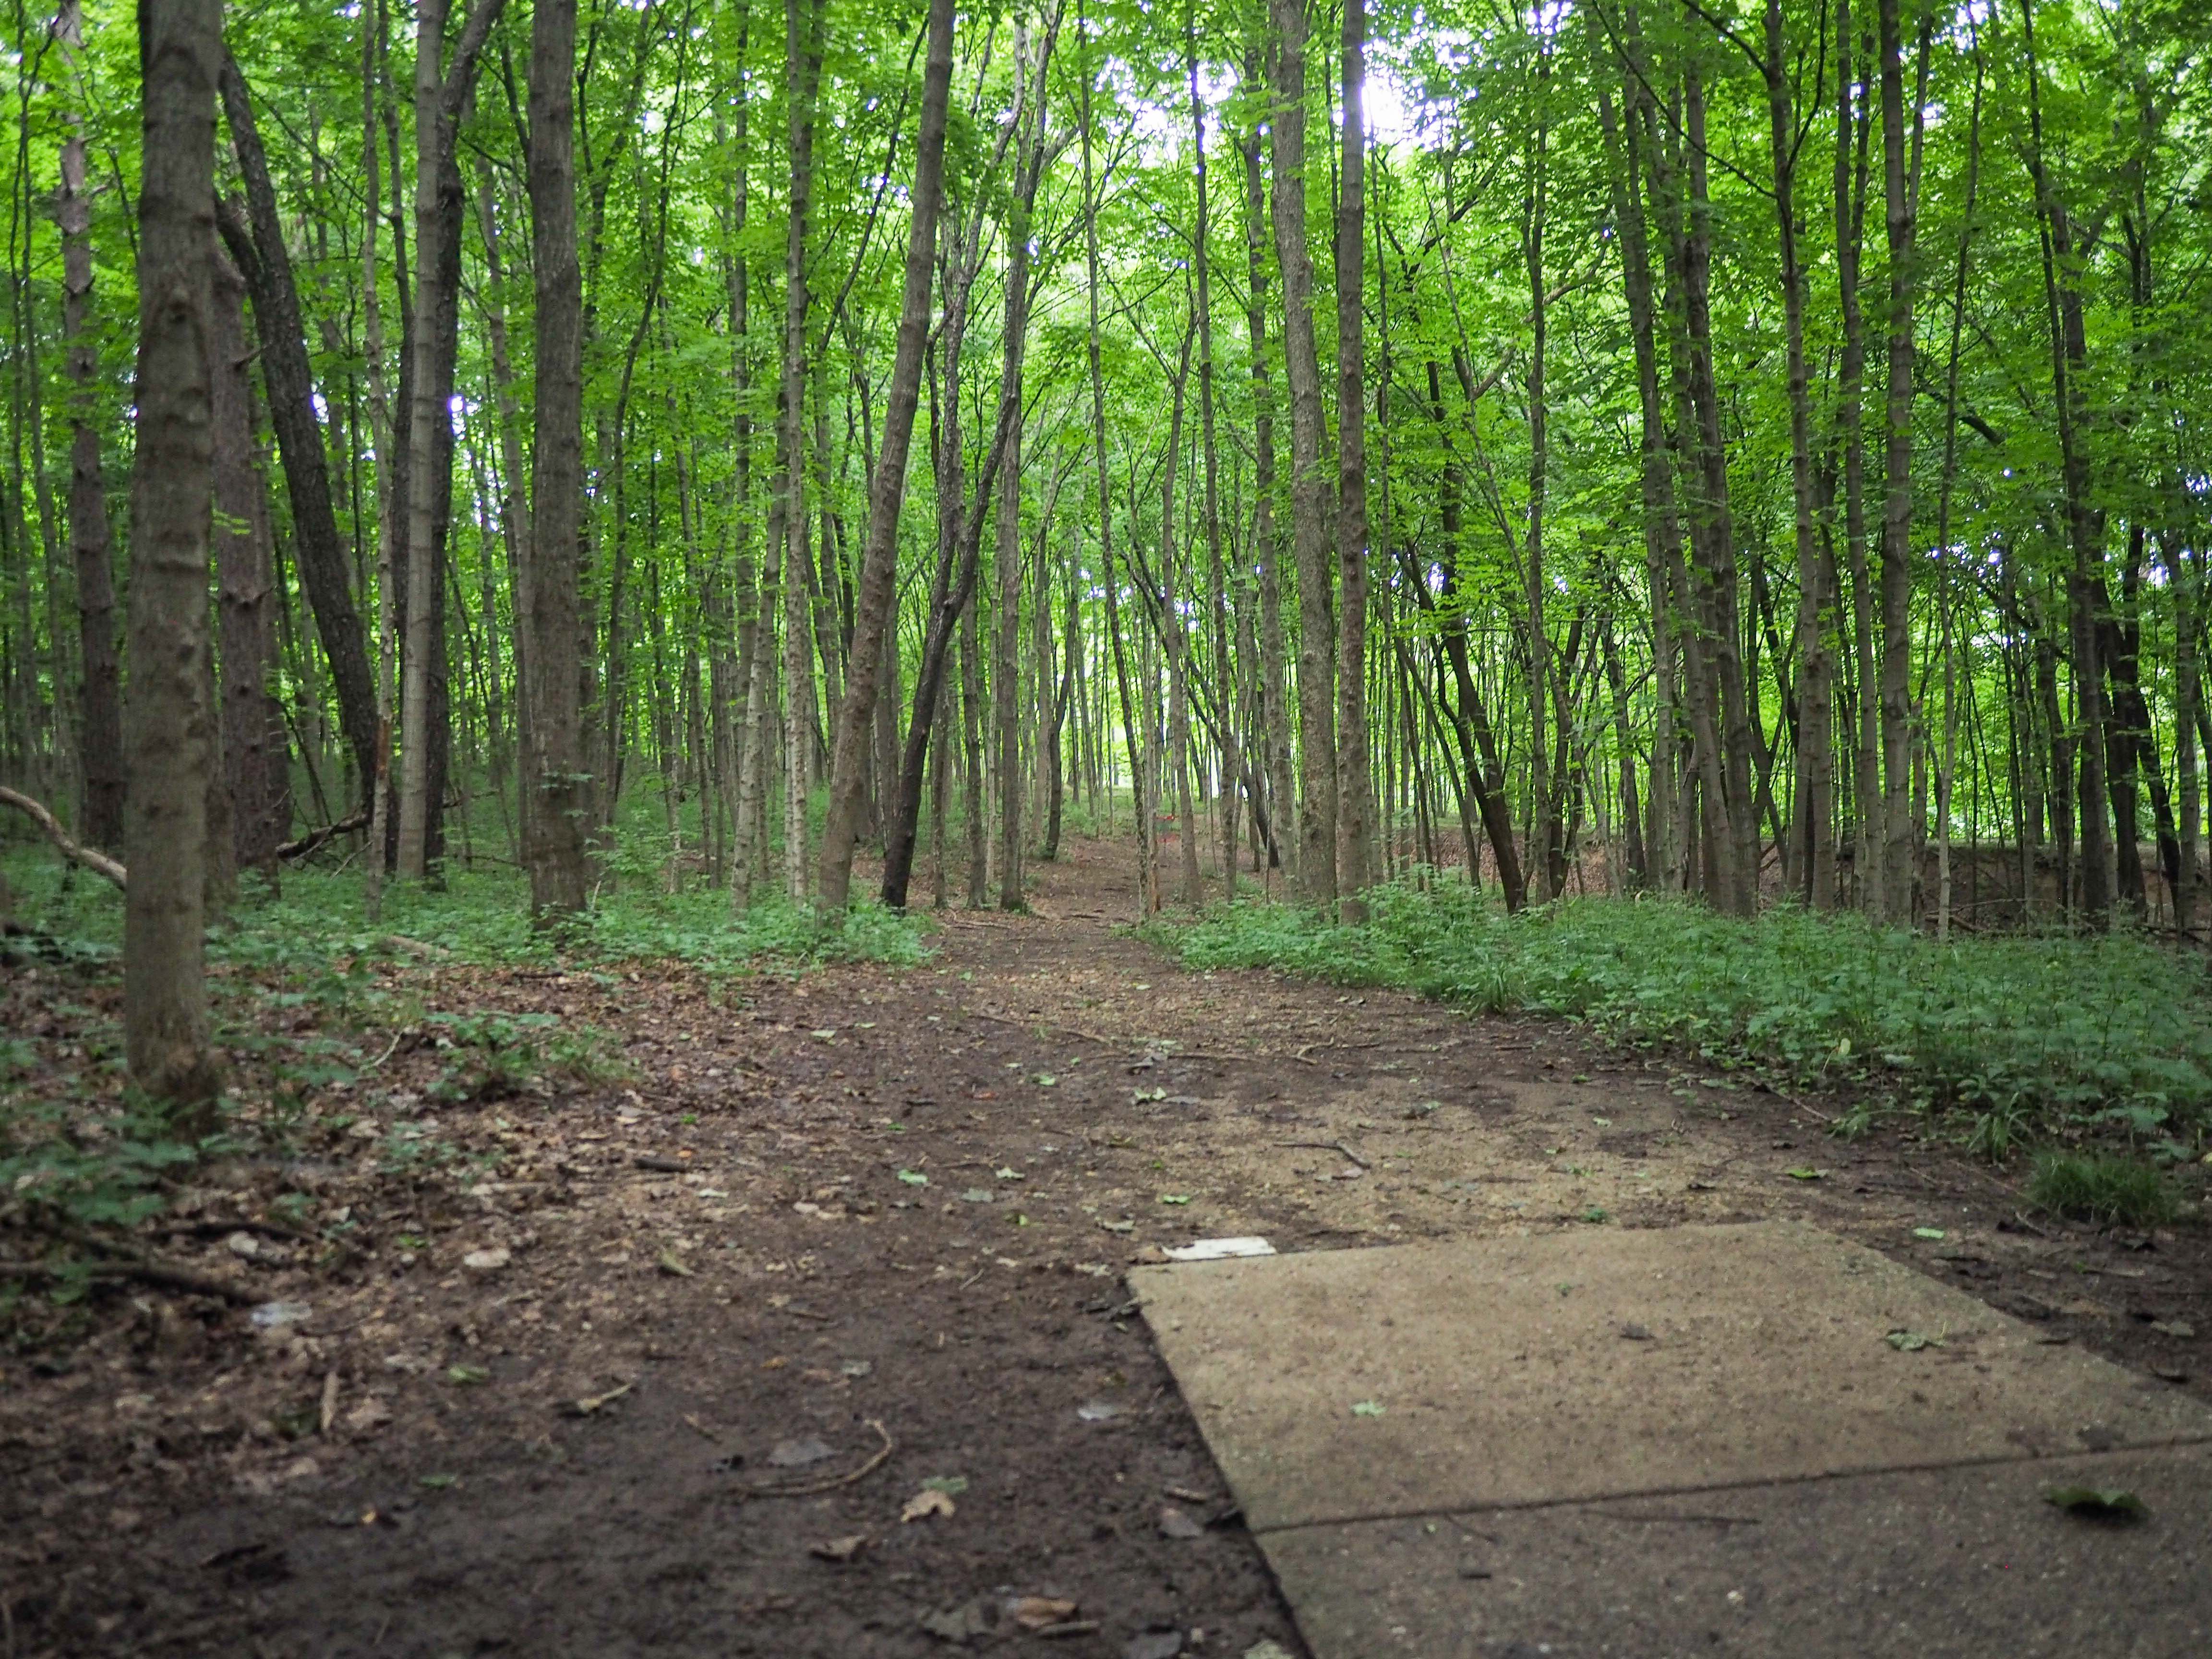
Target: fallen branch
90, 857
160, 1274
829, 1483
314, 838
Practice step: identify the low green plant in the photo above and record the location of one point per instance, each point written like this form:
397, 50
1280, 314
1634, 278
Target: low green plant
2017, 1035
2102, 1188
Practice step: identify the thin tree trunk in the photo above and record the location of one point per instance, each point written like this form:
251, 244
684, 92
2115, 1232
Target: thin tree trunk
1309, 518
100, 696
878, 564
1355, 788
556, 792
1900, 862
1267, 538
254, 750
263, 261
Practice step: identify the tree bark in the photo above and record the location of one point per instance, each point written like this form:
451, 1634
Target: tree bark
878, 563
558, 793
266, 265
1309, 518
1901, 838
1355, 788
254, 754
168, 725
100, 690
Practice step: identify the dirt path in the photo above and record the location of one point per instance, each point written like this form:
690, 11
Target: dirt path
868, 1208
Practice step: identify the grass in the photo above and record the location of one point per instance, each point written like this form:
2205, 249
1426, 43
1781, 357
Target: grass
2097, 1187
2020, 1036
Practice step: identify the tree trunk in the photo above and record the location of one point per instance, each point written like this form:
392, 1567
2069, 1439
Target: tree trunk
1813, 829
168, 725
1901, 830
1317, 872
1355, 788
1267, 538
557, 792
255, 759
263, 261
100, 696
878, 563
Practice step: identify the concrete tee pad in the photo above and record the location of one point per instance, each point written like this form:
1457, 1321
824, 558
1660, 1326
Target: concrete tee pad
1602, 1363
1966, 1563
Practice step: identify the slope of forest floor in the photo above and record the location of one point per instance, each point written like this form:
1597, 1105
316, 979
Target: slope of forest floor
527, 1353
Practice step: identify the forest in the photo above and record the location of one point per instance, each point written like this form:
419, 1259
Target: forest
1591, 450
715, 721
1750, 454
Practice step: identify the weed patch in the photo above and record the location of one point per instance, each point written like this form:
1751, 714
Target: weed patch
2101, 1188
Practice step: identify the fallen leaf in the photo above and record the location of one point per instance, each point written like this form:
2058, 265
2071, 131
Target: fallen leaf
1932, 1233
798, 1454
1634, 1333
487, 1261
2096, 1503
439, 1482
1173, 1524
1098, 1411
1036, 1612
1267, 1650
958, 1624
913, 1177
1009, 1174
1119, 1226
671, 1264
592, 1403
1367, 1408
1175, 1197
464, 1376
924, 1504
951, 1484
1913, 1341
1805, 1172
838, 1549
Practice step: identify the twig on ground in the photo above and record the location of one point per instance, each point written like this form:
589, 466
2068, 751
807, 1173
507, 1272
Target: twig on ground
1329, 1146
1698, 1519
391, 1048
829, 1483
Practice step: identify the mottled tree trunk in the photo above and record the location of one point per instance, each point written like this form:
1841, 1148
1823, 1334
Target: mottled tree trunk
168, 723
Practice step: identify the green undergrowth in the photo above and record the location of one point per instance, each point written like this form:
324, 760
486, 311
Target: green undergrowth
2020, 1036
314, 918
308, 1000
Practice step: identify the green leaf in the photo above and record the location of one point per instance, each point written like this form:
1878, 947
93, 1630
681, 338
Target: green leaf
1367, 1408
1913, 1341
1175, 1197
1805, 1172
951, 1484
1928, 1232
466, 1375
913, 1177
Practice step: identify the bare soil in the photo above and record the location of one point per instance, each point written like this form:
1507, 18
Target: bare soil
857, 1232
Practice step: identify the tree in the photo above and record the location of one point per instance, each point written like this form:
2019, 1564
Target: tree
556, 793
168, 724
